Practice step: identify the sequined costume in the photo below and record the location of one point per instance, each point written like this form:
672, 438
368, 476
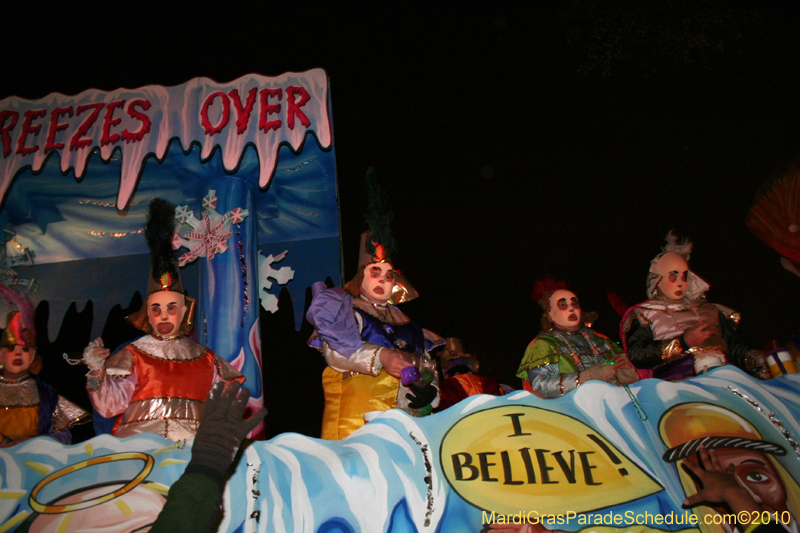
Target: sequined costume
30, 407
553, 359
354, 382
158, 386
652, 333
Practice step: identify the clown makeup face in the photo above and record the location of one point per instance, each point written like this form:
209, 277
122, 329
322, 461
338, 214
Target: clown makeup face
755, 473
165, 311
378, 282
16, 360
674, 272
565, 311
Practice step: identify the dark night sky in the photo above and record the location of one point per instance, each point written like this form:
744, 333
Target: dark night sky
503, 164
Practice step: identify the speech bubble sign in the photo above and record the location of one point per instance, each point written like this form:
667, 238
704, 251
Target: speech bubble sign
520, 458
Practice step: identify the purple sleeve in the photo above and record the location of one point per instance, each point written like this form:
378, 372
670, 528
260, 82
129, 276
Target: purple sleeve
430, 345
331, 312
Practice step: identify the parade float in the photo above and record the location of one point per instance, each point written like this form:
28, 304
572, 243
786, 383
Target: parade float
592, 460
250, 166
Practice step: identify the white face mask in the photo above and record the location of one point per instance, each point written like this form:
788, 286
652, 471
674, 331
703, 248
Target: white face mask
674, 272
165, 310
378, 282
16, 359
565, 311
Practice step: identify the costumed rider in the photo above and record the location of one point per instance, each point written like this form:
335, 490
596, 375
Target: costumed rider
159, 382
677, 334
367, 342
461, 378
568, 352
29, 407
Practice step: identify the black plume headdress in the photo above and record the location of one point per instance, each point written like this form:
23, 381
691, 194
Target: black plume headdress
158, 231
379, 218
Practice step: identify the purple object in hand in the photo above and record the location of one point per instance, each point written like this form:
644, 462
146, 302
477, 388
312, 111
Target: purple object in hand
409, 375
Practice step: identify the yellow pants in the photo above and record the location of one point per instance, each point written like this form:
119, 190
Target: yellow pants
347, 400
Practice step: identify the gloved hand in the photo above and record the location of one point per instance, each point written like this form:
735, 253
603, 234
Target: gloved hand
95, 355
420, 396
222, 428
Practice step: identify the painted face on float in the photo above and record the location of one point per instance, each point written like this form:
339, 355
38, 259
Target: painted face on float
674, 272
16, 360
378, 282
755, 473
165, 311
565, 311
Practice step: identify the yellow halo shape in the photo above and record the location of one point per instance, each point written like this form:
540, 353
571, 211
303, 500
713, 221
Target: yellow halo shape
58, 509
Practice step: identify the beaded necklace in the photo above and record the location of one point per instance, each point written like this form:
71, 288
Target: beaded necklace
596, 355
9, 381
596, 358
383, 313
170, 338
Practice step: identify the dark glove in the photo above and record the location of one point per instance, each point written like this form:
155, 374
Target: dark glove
420, 396
222, 428
756, 364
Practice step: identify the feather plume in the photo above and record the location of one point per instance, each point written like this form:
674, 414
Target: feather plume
158, 231
379, 217
546, 286
21, 302
617, 303
678, 244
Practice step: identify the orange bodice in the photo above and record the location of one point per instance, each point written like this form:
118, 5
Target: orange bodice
160, 378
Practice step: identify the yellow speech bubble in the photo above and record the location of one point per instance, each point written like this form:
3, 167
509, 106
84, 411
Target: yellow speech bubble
517, 458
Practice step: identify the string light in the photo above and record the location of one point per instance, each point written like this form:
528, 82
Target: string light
244, 272
110, 204
116, 234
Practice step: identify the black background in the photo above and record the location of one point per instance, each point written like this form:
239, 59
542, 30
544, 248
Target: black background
505, 157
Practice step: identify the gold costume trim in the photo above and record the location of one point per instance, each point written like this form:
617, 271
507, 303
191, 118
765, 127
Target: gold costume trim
93, 382
671, 349
6, 407
164, 419
152, 409
719, 347
23, 393
643, 320
372, 361
174, 360
60, 422
225, 370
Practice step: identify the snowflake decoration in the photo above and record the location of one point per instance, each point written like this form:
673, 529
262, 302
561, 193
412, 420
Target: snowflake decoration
182, 213
209, 235
281, 275
13, 254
